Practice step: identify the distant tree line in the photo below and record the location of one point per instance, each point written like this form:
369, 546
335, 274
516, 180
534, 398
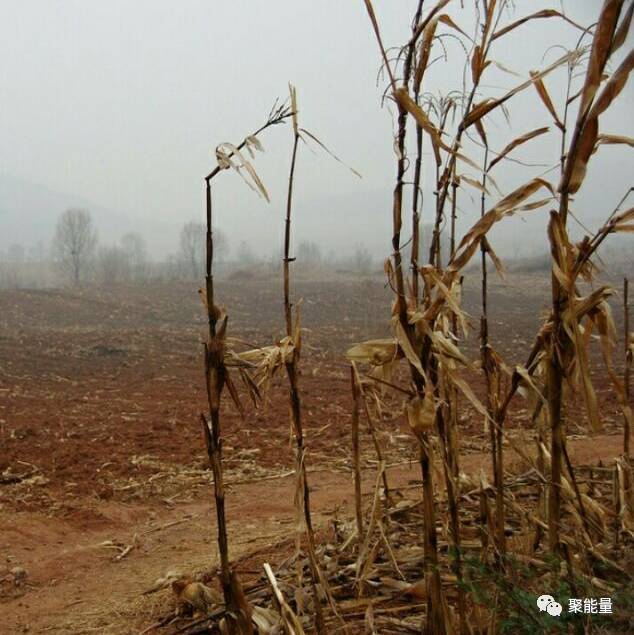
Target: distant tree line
76, 257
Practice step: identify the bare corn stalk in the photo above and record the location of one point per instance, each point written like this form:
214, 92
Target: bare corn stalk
293, 334
291, 363
238, 616
492, 371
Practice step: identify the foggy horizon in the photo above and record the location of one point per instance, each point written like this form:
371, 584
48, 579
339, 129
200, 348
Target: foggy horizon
119, 109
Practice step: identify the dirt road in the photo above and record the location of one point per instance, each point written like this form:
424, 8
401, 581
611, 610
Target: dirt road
76, 584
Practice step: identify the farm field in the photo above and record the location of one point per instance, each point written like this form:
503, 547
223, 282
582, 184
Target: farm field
398, 401
104, 479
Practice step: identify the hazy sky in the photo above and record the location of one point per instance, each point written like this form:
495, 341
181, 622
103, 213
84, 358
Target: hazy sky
123, 102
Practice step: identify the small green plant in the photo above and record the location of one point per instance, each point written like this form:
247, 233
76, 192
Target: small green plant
510, 596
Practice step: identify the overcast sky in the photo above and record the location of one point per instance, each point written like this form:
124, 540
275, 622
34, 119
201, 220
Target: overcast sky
122, 103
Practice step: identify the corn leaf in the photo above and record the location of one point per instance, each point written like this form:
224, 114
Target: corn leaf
544, 13
517, 142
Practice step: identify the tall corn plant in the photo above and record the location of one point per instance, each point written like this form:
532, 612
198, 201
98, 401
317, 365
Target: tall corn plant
422, 328
567, 345
293, 337
217, 376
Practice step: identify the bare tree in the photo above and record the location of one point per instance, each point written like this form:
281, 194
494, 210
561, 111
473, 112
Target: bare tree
38, 252
74, 242
11, 262
245, 254
135, 254
309, 254
192, 247
362, 260
112, 265
16, 254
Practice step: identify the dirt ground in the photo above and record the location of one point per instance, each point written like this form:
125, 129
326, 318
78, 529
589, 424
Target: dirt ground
103, 479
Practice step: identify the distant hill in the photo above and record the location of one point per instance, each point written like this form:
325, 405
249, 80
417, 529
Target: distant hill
29, 211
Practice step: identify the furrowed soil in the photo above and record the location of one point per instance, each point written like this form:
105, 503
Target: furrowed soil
104, 486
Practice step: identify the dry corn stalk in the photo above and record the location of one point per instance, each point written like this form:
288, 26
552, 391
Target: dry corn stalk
238, 618
420, 324
566, 346
291, 363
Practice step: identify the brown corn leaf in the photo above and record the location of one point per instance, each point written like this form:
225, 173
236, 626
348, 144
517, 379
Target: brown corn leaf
505, 69
441, 4
447, 295
517, 142
465, 389
534, 205
622, 31
581, 359
446, 347
374, 352
292, 624
613, 87
480, 128
624, 217
493, 182
425, 52
583, 306
470, 162
499, 267
600, 52
406, 346
227, 153
620, 223
576, 170
489, 12
607, 332
544, 13
476, 64
253, 143
445, 19
406, 102
483, 108
234, 394
526, 377
370, 629
332, 154
613, 139
564, 280
560, 247
505, 206
546, 100
474, 183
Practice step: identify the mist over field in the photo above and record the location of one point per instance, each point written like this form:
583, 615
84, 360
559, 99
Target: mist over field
118, 108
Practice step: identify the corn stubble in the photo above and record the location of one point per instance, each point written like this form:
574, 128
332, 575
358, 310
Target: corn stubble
408, 566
